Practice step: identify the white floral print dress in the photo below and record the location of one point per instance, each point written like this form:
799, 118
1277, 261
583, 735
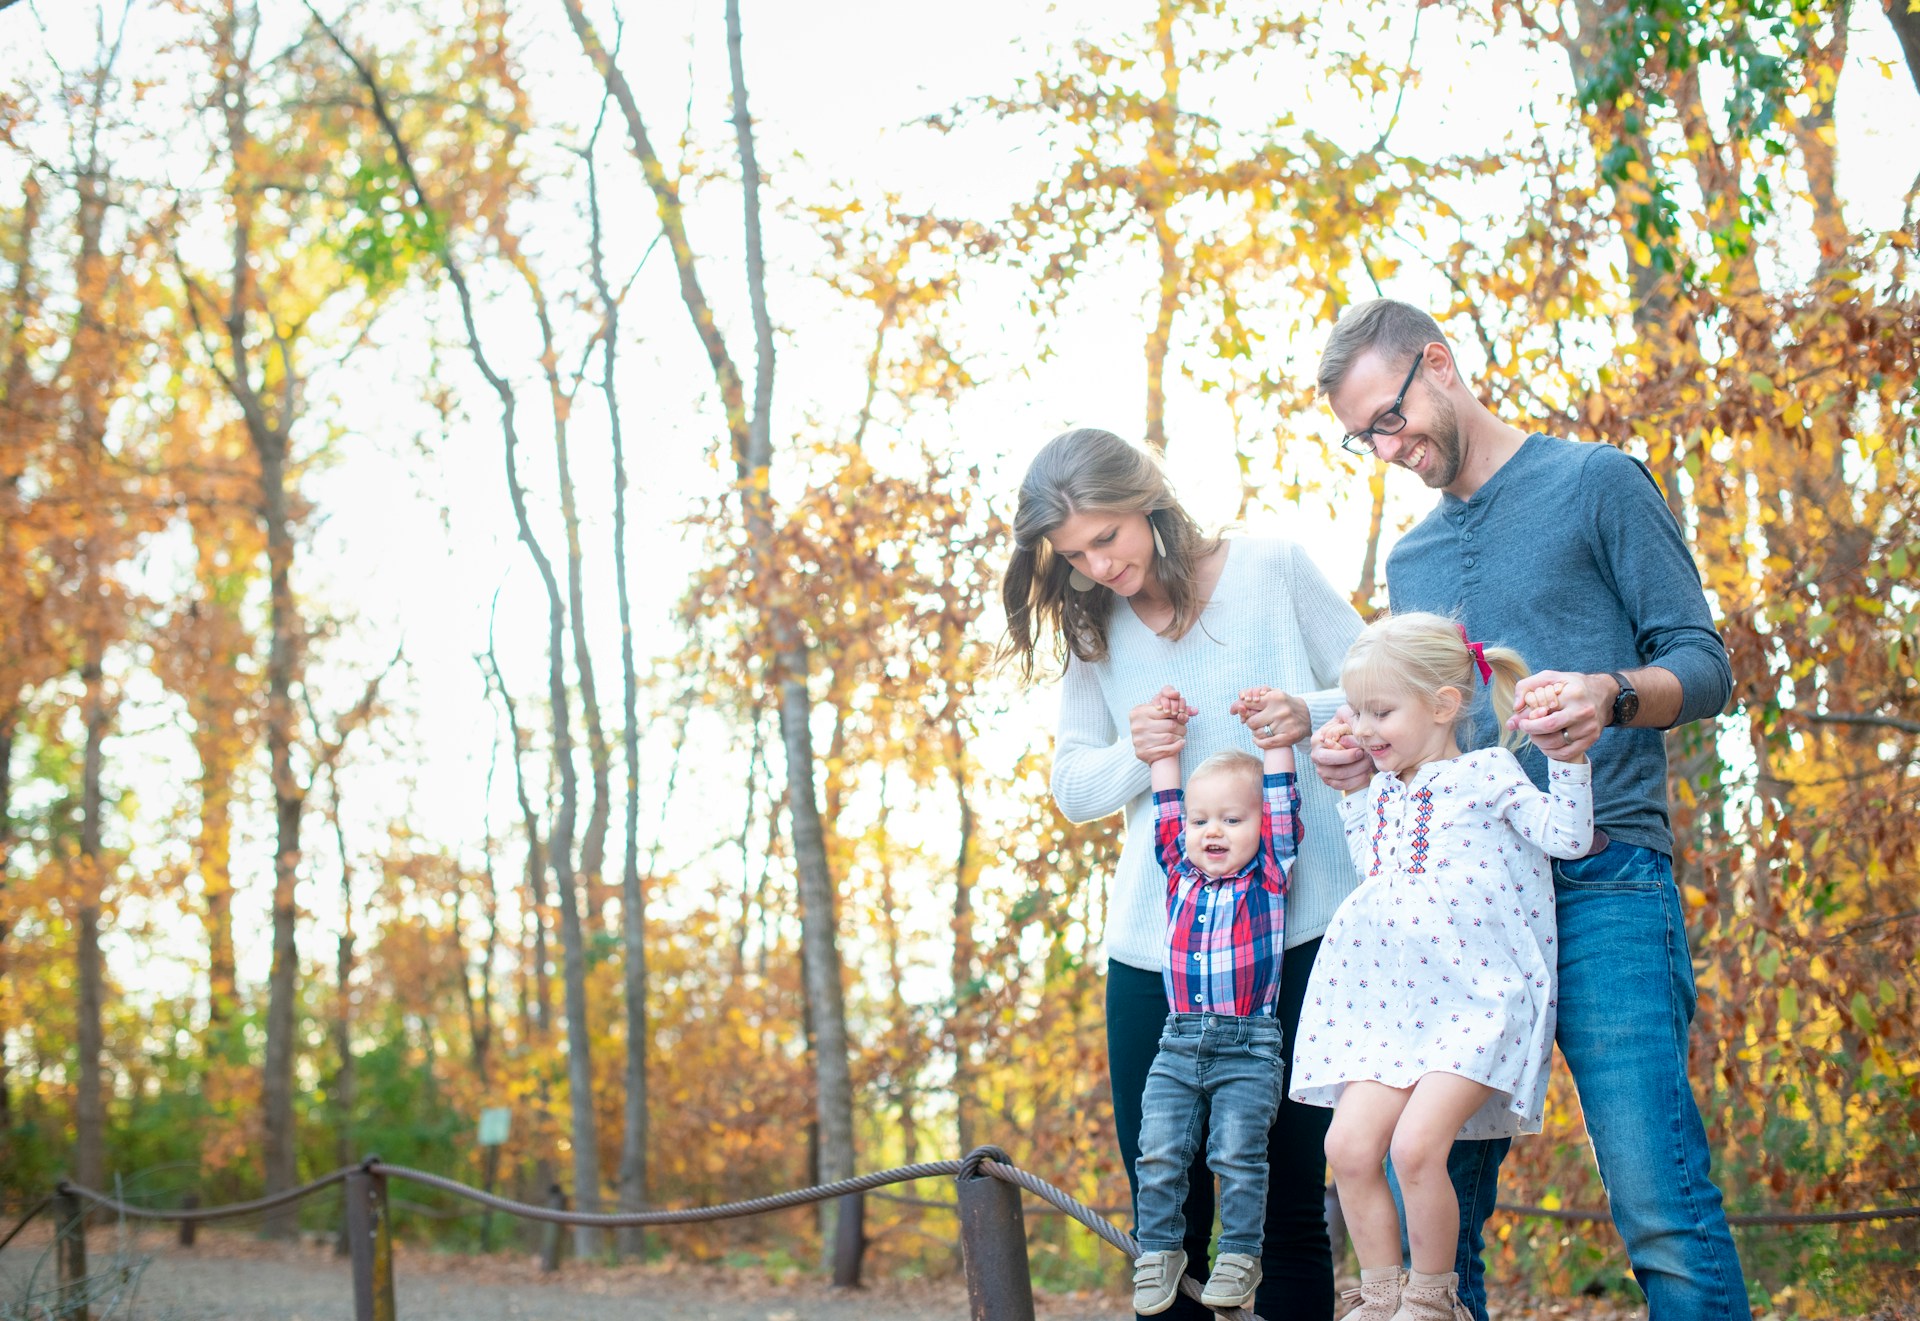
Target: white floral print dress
1443, 960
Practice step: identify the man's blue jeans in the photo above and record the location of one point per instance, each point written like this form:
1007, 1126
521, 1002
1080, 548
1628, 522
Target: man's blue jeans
1626, 1003
1230, 1066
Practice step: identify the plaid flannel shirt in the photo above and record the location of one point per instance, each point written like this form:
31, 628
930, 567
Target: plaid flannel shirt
1224, 936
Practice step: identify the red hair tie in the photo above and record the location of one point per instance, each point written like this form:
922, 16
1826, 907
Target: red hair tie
1479, 650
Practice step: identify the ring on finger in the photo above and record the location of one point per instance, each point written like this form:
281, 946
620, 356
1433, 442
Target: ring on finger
1566, 736
1266, 731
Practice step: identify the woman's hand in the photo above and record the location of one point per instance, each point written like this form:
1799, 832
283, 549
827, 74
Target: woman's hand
1276, 719
1159, 725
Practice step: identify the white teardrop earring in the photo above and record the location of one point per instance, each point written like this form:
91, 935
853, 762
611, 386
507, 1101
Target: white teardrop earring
1079, 581
1158, 545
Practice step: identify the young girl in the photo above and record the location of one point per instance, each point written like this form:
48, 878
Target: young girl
1430, 1014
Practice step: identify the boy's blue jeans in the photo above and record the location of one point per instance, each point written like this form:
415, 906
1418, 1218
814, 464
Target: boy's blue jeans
1231, 1067
1626, 1003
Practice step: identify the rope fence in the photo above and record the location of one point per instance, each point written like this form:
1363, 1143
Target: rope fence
988, 1204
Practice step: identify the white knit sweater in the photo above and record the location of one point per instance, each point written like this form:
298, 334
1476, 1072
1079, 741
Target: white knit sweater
1272, 620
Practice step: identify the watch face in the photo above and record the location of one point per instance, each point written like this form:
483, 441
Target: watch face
1626, 706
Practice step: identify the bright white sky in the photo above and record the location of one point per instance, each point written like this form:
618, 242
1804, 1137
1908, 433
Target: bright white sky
412, 539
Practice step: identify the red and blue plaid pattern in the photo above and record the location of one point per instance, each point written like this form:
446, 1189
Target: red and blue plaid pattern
1224, 936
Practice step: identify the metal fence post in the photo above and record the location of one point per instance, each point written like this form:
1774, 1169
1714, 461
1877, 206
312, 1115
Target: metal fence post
849, 1241
188, 1228
70, 1218
993, 1242
370, 1244
550, 1243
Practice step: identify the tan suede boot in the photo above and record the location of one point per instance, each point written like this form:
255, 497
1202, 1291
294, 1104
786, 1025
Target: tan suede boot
1431, 1298
1378, 1296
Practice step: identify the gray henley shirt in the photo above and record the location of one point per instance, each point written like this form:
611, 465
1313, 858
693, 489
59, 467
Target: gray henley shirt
1569, 555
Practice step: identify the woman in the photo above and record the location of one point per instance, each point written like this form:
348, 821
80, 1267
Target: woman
1111, 571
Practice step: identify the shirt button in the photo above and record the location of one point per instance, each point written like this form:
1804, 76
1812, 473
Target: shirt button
1469, 561
1196, 958
1466, 536
1196, 999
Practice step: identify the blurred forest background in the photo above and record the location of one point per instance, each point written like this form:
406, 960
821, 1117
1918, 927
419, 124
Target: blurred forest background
499, 536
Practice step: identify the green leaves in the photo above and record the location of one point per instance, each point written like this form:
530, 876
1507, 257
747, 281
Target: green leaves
383, 237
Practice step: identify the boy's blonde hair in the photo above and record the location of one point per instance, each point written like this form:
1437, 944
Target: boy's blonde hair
1232, 762
1420, 653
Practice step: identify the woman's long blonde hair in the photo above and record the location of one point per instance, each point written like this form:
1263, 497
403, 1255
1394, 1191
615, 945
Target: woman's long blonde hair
1091, 471
1419, 654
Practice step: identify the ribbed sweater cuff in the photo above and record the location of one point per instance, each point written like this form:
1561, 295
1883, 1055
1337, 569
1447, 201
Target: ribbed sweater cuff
1322, 705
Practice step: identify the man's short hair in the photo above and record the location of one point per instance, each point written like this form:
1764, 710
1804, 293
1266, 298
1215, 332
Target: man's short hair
1398, 330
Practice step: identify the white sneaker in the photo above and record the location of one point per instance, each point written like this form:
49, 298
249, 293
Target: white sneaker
1235, 1277
1156, 1280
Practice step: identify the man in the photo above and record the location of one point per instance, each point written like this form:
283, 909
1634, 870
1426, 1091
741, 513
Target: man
1566, 552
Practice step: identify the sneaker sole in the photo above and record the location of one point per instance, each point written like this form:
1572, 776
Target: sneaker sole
1221, 1301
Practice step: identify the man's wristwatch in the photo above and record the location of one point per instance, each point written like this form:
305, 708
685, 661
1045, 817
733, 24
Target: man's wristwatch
1626, 703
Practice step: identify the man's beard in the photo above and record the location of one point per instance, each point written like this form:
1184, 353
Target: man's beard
1443, 436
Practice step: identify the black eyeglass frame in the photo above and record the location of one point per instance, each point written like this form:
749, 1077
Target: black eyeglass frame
1390, 423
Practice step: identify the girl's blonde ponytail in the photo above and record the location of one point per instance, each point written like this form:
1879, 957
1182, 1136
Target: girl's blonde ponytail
1508, 670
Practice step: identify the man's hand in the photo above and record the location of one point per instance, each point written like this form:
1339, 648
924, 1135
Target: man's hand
1566, 718
1159, 725
1276, 719
1338, 759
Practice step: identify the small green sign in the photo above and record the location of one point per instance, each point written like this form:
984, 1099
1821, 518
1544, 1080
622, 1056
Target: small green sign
495, 1123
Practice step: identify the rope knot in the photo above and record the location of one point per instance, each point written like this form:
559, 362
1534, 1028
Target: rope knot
970, 1163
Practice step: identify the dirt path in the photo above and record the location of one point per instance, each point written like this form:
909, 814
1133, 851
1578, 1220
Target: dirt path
236, 1278
232, 1276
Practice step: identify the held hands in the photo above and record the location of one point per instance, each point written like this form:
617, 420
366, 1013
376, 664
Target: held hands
1159, 725
1339, 760
1560, 712
1275, 719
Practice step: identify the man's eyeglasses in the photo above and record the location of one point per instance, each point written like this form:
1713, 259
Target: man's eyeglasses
1389, 423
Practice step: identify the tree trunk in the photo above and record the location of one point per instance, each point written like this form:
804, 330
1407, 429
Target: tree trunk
1164, 112
269, 424
966, 873
787, 649
214, 845
87, 380
903, 1045
666, 195
345, 1080
542, 1014
1905, 18
818, 924
633, 901
7, 717
585, 1141
90, 1116
281, 1144
593, 848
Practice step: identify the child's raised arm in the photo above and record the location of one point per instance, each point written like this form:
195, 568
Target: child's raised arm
1283, 828
1169, 806
1164, 768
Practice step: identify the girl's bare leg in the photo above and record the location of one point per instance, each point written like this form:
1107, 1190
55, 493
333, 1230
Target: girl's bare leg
1429, 1120
1363, 1126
